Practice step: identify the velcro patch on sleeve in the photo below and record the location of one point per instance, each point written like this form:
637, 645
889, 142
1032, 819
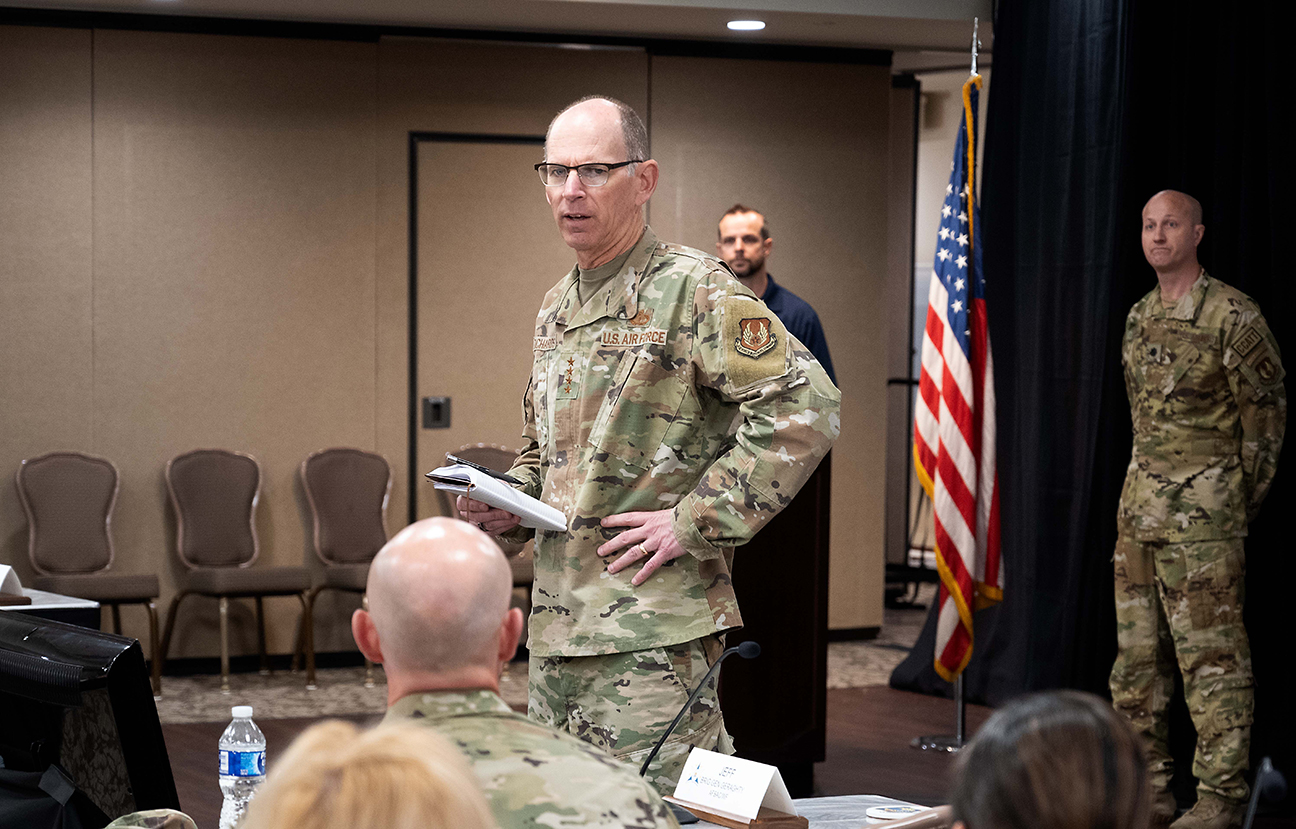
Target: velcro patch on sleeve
1249, 340
1263, 370
755, 342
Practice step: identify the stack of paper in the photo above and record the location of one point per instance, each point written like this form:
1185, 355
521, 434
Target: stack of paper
480, 486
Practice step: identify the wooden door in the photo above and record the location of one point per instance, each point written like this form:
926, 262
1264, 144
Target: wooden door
486, 251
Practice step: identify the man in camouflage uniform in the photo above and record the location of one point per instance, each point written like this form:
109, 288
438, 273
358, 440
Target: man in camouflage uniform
1205, 386
669, 416
439, 621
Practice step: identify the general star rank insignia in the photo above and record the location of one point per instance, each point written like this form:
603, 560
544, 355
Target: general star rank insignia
567, 375
756, 338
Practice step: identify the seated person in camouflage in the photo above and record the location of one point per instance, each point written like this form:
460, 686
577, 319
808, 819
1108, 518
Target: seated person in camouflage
439, 622
1204, 379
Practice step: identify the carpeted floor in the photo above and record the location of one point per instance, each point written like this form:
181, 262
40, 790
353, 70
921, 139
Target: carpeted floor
283, 695
342, 691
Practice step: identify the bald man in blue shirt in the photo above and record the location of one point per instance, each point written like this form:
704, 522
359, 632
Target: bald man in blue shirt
744, 243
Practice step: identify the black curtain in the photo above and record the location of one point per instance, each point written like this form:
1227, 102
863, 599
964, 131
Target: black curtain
1094, 106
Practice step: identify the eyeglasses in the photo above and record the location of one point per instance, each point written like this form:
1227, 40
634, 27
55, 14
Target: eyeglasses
591, 175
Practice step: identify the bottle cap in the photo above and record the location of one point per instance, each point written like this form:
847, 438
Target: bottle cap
241, 712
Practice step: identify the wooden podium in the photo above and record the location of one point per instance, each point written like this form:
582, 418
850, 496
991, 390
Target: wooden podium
775, 705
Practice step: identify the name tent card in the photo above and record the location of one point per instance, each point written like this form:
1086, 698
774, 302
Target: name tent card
11, 590
734, 792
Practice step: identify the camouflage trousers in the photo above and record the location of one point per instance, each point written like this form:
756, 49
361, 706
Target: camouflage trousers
624, 702
1182, 604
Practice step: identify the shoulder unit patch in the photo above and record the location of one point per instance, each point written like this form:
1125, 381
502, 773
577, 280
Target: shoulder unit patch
756, 337
755, 343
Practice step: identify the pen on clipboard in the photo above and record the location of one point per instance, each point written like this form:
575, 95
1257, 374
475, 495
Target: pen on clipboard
508, 479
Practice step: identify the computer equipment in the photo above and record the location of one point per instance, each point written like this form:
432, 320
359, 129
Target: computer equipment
80, 698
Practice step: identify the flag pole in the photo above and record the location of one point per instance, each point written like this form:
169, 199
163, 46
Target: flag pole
944, 742
960, 712
960, 701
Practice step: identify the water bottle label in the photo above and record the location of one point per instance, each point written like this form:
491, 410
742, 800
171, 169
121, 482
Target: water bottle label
242, 763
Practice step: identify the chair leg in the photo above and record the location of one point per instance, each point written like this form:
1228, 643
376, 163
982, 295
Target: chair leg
153, 648
170, 626
116, 614
261, 637
299, 641
299, 646
224, 644
307, 599
369, 666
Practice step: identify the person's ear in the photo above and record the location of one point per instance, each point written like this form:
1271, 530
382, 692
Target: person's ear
366, 636
510, 633
646, 174
1198, 232
768, 245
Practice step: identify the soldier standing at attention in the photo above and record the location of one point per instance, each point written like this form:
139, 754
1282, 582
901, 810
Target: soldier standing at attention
743, 242
439, 621
669, 416
1206, 396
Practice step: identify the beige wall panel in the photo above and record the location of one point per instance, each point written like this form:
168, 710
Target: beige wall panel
807, 144
46, 290
467, 87
235, 230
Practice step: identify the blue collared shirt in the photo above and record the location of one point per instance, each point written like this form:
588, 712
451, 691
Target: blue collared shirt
800, 320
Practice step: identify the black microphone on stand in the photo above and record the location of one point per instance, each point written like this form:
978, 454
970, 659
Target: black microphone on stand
1269, 784
747, 650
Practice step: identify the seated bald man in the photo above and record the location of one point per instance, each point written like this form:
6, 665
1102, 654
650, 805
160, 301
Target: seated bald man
440, 624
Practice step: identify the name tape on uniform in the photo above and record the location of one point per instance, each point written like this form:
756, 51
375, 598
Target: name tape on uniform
625, 339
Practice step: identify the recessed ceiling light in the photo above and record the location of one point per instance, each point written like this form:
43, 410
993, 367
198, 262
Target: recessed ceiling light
746, 25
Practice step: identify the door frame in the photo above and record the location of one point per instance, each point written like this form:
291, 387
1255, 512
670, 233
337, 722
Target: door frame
417, 137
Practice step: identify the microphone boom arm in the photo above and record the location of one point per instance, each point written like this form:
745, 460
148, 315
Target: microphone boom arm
747, 650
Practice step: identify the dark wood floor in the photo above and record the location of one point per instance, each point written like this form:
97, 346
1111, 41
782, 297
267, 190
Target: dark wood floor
192, 749
868, 751
868, 744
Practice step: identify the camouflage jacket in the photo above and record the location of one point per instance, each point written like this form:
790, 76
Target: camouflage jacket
673, 387
532, 775
1206, 396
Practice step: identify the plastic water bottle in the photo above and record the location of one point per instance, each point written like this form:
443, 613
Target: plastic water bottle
242, 765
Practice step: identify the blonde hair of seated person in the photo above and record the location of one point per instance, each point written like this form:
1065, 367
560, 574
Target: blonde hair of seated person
1053, 760
400, 776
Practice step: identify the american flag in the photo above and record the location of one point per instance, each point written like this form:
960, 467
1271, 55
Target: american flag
954, 427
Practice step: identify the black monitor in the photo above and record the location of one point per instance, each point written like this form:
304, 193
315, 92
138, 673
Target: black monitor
81, 698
